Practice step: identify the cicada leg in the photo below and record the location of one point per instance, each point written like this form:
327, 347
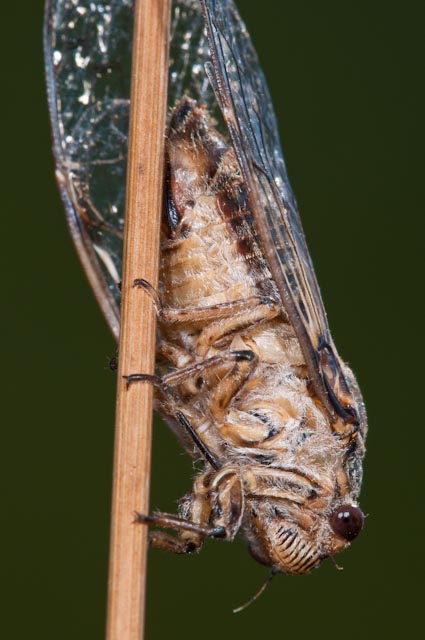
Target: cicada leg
191, 534
230, 382
229, 360
173, 355
264, 309
213, 510
197, 440
238, 360
228, 387
240, 313
231, 369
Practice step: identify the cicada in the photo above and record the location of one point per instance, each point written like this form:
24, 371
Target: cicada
249, 378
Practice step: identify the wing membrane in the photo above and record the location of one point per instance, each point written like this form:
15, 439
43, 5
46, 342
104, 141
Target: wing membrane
245, 102
87, 56
88, 61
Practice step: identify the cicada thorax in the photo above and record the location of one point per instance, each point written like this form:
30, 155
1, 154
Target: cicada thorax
234, 363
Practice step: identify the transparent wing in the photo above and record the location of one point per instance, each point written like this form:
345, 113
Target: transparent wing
189, 52
88, 61
87, 56
244, 99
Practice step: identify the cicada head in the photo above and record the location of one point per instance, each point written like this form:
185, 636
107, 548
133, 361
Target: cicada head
296, 543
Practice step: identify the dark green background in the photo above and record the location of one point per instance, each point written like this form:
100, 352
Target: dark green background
347, 80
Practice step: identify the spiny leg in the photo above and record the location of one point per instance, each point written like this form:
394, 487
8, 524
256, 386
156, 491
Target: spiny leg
160, 519
213, 510
192, 529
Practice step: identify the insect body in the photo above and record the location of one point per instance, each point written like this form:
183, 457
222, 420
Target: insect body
251, 381
274, 466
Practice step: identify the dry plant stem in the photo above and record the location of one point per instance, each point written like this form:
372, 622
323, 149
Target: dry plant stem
127, 571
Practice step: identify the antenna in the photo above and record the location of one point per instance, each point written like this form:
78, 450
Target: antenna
258, 594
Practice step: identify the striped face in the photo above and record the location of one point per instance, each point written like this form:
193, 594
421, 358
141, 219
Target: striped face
295, 547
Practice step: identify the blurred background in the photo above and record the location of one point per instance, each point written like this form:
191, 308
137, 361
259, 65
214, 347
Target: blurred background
347, 82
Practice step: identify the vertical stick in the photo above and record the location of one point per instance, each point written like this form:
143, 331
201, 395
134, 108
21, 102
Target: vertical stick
127, 571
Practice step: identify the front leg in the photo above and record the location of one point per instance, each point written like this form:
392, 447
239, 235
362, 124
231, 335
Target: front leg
181, 544
214, 509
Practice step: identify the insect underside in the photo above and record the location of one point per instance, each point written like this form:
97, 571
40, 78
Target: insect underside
251, 381
234, 381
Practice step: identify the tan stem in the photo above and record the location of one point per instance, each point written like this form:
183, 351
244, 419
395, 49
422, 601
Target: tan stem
145, 180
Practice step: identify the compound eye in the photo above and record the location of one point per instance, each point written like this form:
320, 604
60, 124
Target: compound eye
347, 521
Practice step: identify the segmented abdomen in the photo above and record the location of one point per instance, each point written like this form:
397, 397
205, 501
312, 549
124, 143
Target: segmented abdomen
210, 254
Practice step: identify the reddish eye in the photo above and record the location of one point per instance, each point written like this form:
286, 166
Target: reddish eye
347, 521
